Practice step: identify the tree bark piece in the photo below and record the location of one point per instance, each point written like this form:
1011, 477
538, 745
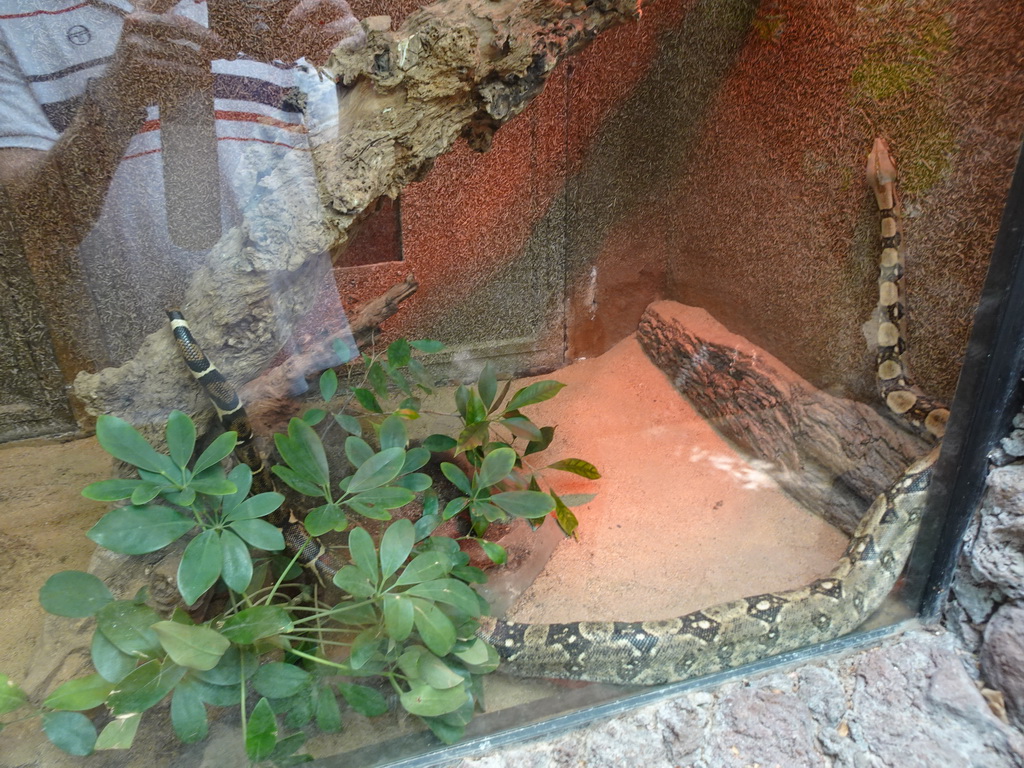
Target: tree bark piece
832, 454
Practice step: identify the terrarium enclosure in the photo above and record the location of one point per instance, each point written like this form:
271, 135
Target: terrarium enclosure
668, 207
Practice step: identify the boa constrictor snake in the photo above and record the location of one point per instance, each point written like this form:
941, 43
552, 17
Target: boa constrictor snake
731, 633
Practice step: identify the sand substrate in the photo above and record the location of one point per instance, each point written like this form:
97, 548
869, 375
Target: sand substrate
681, 521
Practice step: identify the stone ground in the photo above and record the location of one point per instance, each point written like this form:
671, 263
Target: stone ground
912, 702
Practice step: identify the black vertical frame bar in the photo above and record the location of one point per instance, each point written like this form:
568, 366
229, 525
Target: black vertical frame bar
987, 396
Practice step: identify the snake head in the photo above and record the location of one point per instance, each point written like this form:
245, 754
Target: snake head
881, 173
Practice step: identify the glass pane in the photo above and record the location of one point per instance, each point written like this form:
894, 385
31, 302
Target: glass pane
619, 395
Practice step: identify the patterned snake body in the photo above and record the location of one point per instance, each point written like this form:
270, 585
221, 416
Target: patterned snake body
751, 628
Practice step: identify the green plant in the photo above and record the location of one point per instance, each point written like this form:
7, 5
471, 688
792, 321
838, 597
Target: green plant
403, 613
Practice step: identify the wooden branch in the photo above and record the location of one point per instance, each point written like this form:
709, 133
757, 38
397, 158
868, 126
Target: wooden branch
268, 395
831, 454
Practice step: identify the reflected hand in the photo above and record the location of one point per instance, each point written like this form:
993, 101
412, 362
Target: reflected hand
160, 55
314, 28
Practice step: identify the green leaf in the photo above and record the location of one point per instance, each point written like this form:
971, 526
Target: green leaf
521, 426
111, 490
478, 656
398, 617
496, 466
236, 663
127, 625
469, 573
296, 481
188, 714
349, 423
139, 530
536, 446
425, 701
495, 552
119, 733
74, 594
456, 477
393, 433
327, 517
427, 346
11, 696
399, 353
260, 505
313, 416
434, 627
200, 565
435, 673
366, 648
181, 438
255, 623
440, 443
577, 467
121, 440
357, 451
261, 733
453, 507
449, 591
282, 756
425, 526
354, 581
194, 647
363, 699
146, 492
236, 566
145, 687
382, 499
260, 534
446, 733
395, 546
379, 469
564, 517
487, 384
328, 713
303, 451
183, 498
378, 378
424, 567
80, 694
217, 695
367, 399
277, 679
417, 482
363, 553
109, 660
529, 504
71, 732
537, 392
214, 485
578, 499
328, 384
215, 452
474, 435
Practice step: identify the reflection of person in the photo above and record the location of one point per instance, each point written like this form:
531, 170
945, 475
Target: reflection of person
80, 144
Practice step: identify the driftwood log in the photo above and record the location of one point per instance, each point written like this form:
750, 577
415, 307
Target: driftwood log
831, 454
